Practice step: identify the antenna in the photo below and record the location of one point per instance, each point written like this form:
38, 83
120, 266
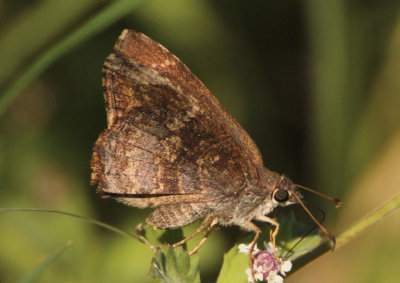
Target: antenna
337, 201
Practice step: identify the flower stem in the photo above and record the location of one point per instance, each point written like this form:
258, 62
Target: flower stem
368, 220
354, 231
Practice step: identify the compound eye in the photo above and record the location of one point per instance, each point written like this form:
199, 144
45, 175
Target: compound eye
281, 195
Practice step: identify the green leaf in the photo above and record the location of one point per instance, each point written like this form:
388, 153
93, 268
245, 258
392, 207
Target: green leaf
291, 236
30, 277
175, 265
234, 267
303, 246
160, 237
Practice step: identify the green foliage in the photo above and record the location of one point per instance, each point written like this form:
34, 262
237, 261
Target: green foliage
291, 238
234, 266
175, 265
160, 237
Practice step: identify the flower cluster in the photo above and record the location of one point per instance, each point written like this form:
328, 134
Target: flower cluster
267, 267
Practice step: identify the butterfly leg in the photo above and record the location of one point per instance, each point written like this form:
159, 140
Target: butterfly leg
206, 224
139, 231
210, 228
272, 233
252, 227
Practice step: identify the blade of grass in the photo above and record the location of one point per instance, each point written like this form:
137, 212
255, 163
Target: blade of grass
22, 37
100, 21
30, 277
370, 219
87, 219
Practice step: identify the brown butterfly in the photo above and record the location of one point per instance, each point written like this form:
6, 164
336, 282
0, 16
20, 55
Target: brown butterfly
171, 145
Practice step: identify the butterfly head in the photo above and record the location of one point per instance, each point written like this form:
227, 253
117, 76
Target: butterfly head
285, 192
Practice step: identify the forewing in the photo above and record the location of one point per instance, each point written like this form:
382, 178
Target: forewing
167, 135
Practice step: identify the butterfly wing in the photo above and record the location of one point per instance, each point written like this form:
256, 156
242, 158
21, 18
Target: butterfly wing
168, 139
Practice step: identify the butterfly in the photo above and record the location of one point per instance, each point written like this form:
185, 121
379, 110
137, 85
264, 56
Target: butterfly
171, 145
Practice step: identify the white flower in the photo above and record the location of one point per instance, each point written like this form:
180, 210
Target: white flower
249, 275
266, 266
274, 278
257, 275
243, 248
285, 266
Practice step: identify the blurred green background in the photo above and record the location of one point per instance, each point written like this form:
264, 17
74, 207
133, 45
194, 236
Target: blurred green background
315, 83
